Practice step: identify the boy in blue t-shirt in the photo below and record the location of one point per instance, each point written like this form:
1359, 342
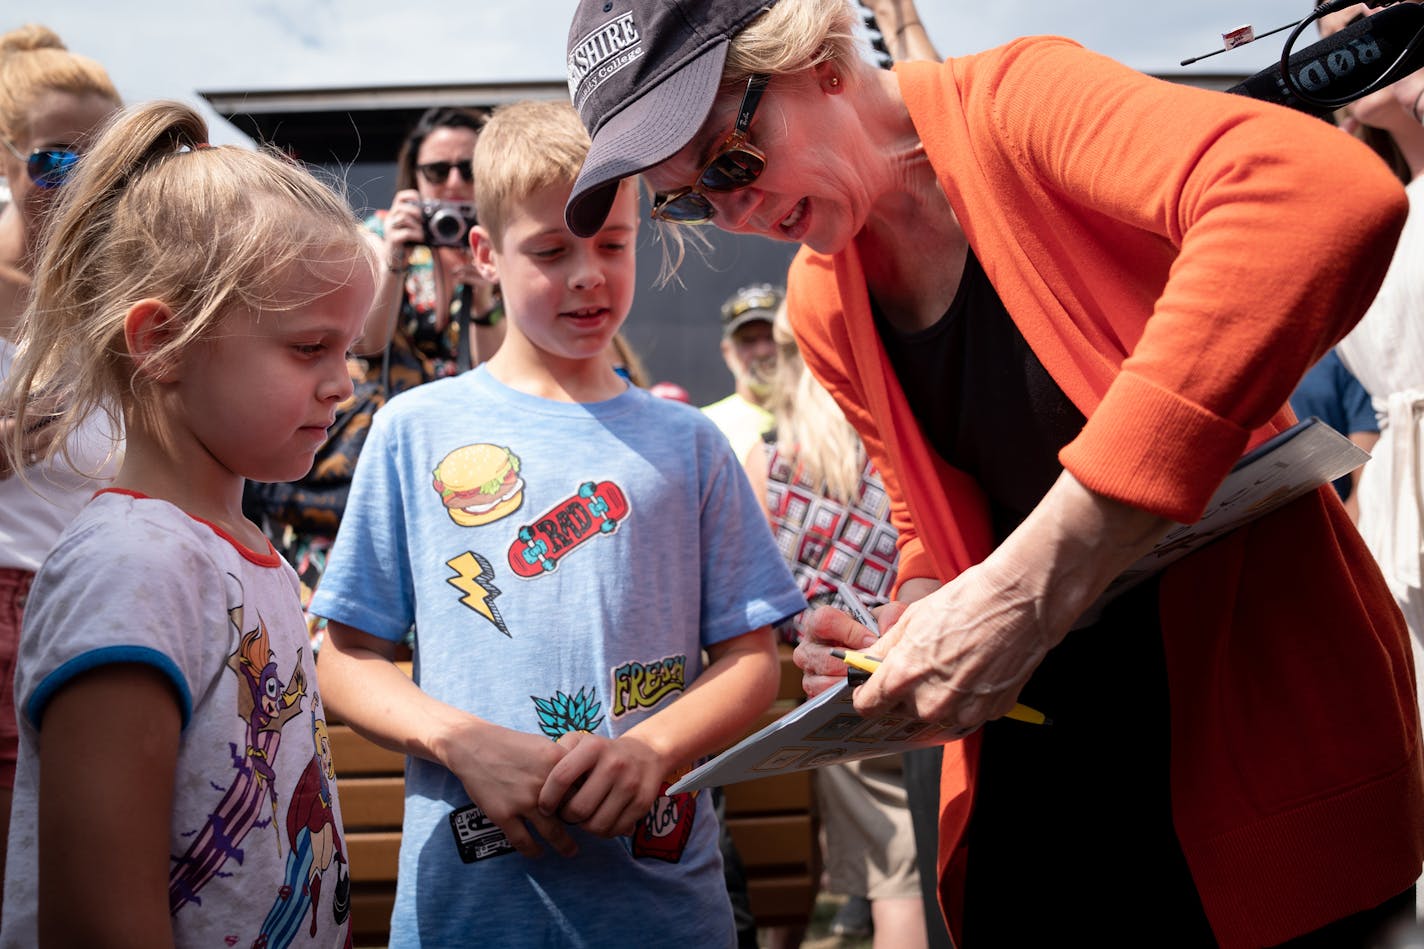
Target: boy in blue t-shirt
566, 548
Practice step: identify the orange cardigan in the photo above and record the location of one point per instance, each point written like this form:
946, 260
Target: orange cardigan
1176, 258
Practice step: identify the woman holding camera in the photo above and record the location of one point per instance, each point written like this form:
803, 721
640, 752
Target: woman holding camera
428, 278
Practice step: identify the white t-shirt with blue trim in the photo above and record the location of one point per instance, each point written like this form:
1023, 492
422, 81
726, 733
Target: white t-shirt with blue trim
256, 845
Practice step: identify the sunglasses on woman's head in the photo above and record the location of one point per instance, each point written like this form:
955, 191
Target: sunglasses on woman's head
47, 167
438, 172
736, 164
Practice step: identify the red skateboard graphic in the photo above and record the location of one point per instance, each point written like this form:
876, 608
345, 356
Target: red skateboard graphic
595, 510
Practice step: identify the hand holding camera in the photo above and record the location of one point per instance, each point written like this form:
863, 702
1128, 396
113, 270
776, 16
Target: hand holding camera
403, 226
434, 223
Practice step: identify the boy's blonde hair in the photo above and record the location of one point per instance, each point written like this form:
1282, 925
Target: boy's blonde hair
34, 61
525, 146
154, 212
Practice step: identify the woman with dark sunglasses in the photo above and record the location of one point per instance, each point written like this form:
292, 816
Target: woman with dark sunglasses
423, 289
52, 104
1059, 299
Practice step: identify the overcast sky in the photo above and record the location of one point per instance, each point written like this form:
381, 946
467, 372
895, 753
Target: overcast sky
176, 48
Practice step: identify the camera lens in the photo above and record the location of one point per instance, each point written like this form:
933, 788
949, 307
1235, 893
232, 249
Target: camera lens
446, 225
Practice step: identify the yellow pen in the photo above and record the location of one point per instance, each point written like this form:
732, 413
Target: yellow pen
868, 664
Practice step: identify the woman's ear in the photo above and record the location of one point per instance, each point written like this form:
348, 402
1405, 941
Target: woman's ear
828, 77
148, 327
482, 249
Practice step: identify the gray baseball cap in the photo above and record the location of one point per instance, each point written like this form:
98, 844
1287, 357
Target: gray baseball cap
642, 75
750, 304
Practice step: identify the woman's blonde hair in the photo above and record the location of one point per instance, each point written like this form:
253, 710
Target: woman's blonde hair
628, 358
810, 426
525, 146
791, 37
154, 212
33, 61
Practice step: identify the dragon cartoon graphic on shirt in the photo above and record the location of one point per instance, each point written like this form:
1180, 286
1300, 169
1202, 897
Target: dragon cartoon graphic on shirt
313, 847
265, 704
663, 833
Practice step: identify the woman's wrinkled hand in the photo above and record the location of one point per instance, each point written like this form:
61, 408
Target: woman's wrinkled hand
961, 655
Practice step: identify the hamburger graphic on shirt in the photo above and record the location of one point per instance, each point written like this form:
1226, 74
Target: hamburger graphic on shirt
479, 484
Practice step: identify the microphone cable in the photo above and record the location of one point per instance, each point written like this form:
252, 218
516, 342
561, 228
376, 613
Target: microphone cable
1385, 78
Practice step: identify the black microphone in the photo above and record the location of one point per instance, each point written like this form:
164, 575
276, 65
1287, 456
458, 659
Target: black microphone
1346, 65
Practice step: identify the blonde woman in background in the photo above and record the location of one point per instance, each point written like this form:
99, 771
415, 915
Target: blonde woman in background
831, 517
626, 361
52, 103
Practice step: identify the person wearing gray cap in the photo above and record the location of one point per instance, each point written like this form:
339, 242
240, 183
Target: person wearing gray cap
750, 355
1059, 299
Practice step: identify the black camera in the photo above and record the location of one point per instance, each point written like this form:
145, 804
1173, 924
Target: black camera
447, 223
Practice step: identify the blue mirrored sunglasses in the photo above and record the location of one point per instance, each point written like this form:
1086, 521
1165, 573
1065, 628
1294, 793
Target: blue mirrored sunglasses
47, 167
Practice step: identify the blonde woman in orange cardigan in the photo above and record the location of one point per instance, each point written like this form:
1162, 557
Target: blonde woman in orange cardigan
1058, 299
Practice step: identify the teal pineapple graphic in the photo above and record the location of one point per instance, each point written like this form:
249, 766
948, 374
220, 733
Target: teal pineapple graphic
568, 713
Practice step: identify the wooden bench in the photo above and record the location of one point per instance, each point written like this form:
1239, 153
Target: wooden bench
774, 826
772, 822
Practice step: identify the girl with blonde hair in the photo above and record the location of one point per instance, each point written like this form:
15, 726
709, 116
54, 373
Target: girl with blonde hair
171, 783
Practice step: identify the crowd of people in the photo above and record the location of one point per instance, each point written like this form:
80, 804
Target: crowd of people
256, 452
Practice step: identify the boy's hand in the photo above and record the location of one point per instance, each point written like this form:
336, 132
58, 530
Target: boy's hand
503, 770
604, 785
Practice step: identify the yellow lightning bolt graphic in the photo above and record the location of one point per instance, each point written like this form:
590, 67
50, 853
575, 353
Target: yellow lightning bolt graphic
470, 570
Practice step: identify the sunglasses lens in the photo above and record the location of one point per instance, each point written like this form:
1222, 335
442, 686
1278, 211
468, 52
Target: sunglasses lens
438, 172
49, 168
689, 208
732, 170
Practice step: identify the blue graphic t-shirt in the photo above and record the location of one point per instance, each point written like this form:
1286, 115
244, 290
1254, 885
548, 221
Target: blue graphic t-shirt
564, 565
